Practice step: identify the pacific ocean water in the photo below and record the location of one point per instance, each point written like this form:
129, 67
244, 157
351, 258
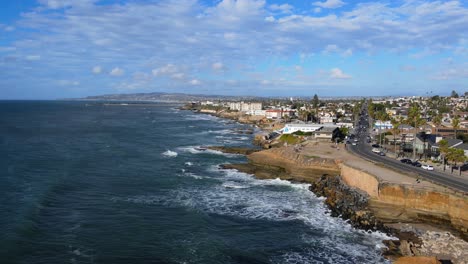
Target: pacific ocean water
89, 182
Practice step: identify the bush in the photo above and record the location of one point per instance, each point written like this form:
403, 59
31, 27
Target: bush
300, 133
290, 139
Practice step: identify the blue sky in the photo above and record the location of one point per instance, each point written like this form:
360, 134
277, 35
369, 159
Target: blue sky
74, 48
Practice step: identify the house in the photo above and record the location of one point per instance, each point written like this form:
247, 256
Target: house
426, 144
464, 147
328, 133
257, 112
306, 128
278, 113
383, 125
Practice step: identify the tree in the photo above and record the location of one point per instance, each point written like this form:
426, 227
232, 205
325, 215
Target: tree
315, 101
456, 156
456, 124
414, 119
454, 94
437, 120
443, 148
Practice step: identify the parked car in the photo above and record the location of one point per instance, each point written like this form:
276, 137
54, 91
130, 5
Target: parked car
376, 150
407, 161
427, 167
382, 153
375, 145
416, 164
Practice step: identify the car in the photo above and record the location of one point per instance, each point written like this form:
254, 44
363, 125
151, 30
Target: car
416, 164
376, 150
375, 145
354, 143
382, 153
407, 161
427, 167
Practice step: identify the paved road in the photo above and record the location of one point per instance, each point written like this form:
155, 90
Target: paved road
363, 149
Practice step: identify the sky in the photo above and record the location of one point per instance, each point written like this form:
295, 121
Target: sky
52, 49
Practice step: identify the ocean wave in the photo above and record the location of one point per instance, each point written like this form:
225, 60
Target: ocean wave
170, 153
203, 150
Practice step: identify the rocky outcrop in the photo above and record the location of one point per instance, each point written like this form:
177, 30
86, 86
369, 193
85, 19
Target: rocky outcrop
417, 260
233, 150
289, 164
349, 203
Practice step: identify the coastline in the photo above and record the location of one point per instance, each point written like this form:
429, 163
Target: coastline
428, 239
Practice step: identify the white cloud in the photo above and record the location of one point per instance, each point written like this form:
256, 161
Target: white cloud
57, 4
9, 28
178, 76
330, 4
68, 83
270, 19
347, 53
284, 8
317, 10
117, 72
230, 36
217, 66
337, 73
97, 69
33, 57
168, 69
194, 82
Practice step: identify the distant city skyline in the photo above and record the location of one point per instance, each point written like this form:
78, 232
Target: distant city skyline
53, 49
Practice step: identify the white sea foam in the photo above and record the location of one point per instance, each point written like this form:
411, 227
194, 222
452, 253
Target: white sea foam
188, 163
169, 153
239, 194
234, 185
242, 195
201, 150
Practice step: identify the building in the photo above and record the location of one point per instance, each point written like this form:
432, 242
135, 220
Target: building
383, 125
244, 106
306, 128
278, 113
328, 133
257, 112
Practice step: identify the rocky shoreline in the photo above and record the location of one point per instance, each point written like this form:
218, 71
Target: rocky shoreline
417, 242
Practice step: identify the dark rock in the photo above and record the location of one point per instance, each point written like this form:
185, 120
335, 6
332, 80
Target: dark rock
349, 203
234, 150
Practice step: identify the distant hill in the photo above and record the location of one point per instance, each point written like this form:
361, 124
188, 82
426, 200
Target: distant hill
179, 97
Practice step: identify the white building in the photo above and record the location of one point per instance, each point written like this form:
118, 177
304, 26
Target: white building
244, 107
257, 112
383, 125
306, 128
278, 113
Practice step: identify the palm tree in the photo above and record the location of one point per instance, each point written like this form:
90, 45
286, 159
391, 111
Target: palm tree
414, 118
437, 120
456, 124
443, 149
395, 130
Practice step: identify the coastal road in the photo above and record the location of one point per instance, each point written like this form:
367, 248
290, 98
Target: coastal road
364, 149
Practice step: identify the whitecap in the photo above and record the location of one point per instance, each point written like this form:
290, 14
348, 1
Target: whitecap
170, 153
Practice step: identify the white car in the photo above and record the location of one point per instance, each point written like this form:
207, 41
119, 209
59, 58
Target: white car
427, 167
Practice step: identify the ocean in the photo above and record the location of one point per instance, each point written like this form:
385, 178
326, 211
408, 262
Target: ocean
89, 182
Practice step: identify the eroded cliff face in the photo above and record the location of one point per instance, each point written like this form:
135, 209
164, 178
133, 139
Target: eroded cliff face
412, 204
290, 165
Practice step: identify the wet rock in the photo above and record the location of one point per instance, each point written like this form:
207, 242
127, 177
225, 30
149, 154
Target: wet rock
349, 203
234, 150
